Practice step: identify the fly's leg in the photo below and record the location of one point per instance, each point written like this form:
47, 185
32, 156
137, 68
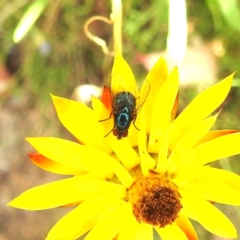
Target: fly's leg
107, 118
108, 133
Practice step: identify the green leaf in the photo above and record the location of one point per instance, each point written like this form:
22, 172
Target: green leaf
28, 19
231, 13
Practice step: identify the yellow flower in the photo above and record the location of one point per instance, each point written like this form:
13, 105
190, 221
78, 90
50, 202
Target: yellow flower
156, 178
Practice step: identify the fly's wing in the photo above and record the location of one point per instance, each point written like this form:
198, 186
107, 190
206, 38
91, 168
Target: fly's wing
143, 94
119, 84
122, 79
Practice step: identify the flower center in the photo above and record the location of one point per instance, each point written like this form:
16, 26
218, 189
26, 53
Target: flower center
155, 200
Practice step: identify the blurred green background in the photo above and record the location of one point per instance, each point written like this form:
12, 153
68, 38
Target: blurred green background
53, 55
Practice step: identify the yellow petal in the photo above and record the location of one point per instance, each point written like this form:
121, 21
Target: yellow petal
191, 138
171, 232
196, 133
221, 147
175, 108
156, 78
129, 229
184, 174
214, 134
123, 175
66, 228
133, 132
144, 232
81, 121
86, 158
147, 162
63, 151
216, 185
162, 110
207, 215
52, 166
157, 75
108, 228
122, 78
53, 194
80, 220
128, 157
163, 162
201, 106
102, 187
186, 226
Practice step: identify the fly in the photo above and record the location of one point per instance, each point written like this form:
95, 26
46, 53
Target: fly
125, 111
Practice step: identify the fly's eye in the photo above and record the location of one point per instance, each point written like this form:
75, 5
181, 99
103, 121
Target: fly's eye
115, 131
125, 133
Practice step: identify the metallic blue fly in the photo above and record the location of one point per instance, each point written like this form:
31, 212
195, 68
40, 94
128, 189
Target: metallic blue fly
125, 110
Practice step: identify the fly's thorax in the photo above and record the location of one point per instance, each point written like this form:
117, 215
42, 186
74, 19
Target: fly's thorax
123, 101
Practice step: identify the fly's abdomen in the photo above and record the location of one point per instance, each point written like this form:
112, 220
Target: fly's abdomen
122, 121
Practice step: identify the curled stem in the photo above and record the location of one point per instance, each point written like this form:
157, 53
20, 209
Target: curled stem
116, 20
97, 40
